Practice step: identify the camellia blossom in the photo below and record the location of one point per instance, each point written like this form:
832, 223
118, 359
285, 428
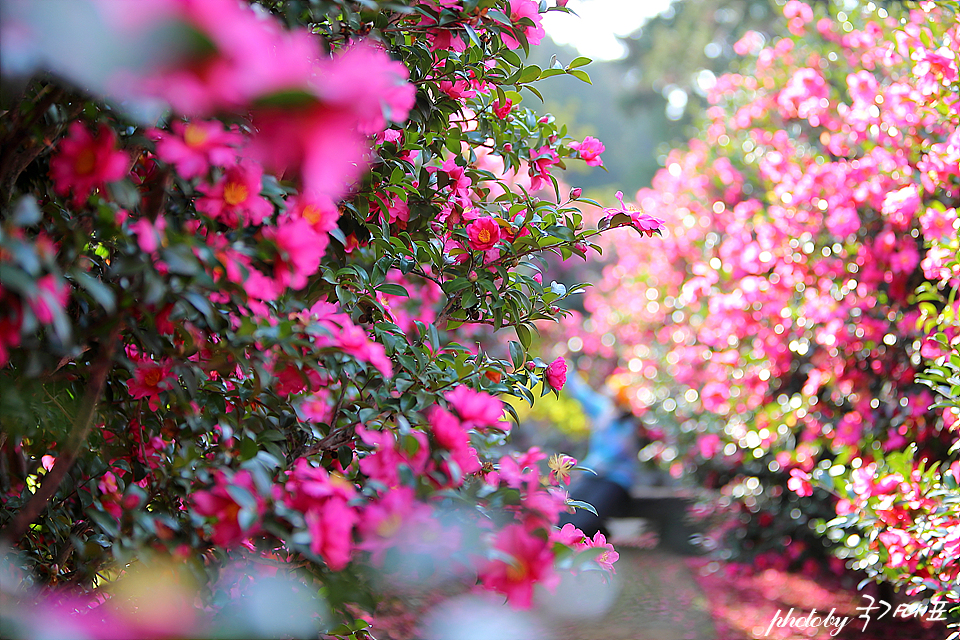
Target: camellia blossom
530, 563
50, 298
194, 146
556, 373
235, 200
540, 162
85, 162
644, 223
483, 234
590, 150
218, 503
476, 409
149, 379
529, 9
799, 483
502, 110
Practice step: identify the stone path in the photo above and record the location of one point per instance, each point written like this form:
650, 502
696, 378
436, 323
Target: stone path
656, 598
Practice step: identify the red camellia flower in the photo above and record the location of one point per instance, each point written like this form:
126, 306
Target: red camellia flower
483, 234
148, 381
556, 373
590, 150
235, 200
86, 161
527, 561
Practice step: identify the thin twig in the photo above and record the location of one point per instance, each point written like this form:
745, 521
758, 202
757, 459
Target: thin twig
14, 531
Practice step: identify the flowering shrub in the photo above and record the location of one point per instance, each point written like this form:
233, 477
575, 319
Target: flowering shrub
774, 333
246, 274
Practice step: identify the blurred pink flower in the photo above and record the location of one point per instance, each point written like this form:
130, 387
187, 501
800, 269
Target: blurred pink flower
193, 147
476, 409
84, 162
50, 298
235, 200
527, 561
799, 483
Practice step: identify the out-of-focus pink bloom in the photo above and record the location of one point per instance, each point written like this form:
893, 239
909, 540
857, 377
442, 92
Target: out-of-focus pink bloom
50, 298
235, 200
483, 234
324, 498
301, 249
556, 373
452, 436
476, 409
354, 341
150, 235
530, 563
590, 150
709, 445
194, 146
750, 43
799, 483
805, 96
217, 503
530, 10
84, 162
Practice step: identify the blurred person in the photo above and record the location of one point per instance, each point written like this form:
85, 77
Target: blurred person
614, 443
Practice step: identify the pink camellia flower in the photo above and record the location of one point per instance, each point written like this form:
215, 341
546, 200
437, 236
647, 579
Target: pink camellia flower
529, 9
609, 554
235, 200
218, 503
85, 162
530, 562
354, 341
556, 373
483, 234
452, 436
476, 409
194, 146
502, 110
590, 150
149, 379
644, 223
50, 298
799, 483
301, 249
324, 499
540, 162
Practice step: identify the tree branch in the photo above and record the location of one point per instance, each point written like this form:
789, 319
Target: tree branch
82, 425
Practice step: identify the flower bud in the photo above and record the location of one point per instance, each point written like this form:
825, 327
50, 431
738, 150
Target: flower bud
472, 276
575, 193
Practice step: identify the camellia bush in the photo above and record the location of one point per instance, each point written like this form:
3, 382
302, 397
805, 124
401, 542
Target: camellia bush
265, 271
776, 332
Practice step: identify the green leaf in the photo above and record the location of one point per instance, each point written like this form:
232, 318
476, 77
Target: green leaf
97, 290
580, 61
581, 75
393, 290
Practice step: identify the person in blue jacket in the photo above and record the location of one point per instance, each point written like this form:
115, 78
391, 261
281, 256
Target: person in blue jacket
613, 447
